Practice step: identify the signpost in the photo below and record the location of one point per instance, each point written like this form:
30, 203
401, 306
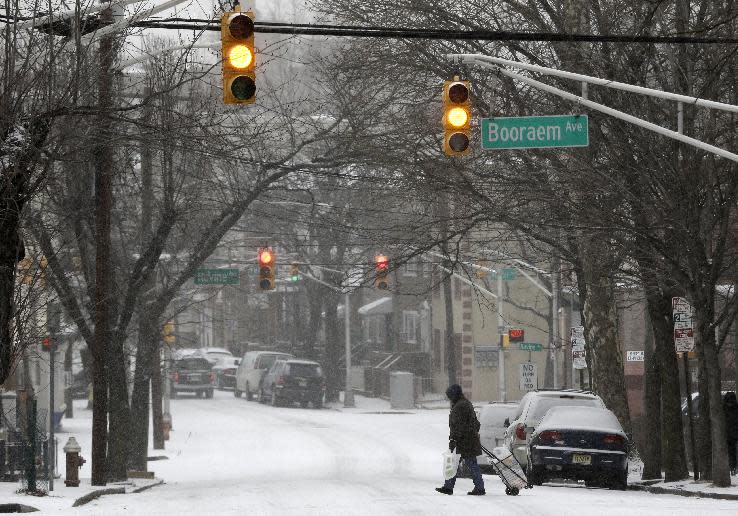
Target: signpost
531, 346
535, 132
578, 354
217, 277
528, 377
683, 330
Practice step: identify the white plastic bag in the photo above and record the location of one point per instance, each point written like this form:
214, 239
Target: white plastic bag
450, 463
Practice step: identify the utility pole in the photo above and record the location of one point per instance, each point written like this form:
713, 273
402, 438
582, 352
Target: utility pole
348, 396
555, 302
502, 387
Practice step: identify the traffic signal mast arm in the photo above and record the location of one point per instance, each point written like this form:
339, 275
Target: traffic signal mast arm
497, 64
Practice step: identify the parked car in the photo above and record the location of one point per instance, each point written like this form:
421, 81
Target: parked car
531, 410
251, 371
192, 374
579, 443
492, 431
225, 372
290, 381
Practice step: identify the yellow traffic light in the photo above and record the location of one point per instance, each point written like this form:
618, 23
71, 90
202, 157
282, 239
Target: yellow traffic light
239, 57
166, 333
267, 262
456, 117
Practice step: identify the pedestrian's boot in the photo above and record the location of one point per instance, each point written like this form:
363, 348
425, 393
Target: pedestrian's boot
445, 490
477, 492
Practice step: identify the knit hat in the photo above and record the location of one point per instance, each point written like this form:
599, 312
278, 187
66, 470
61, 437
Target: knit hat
454, 393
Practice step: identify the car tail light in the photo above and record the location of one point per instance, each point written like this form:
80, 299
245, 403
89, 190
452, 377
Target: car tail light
613, 439
175, 377
550, 435
212, 377
280, 380
520, 431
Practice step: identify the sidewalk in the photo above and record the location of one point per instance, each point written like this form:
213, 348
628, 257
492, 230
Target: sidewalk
699, 489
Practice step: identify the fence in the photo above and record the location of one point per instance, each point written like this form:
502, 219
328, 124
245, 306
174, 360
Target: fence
24, 449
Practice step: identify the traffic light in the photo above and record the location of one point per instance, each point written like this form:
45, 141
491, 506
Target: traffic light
167, 333
48, 344
381, 264
456, 117
294, 273
267, 263
239, 57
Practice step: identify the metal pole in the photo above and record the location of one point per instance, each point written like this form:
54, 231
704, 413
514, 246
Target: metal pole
688, 387
501, 330
348, 396
555, 338
50, 458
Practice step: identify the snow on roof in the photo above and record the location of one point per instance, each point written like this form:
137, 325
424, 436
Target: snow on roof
217, 350
580, 418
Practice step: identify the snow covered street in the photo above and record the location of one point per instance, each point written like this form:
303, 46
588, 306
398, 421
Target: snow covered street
228, 456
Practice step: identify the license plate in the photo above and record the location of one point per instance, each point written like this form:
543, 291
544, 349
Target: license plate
194, 377
578, 458
302, 383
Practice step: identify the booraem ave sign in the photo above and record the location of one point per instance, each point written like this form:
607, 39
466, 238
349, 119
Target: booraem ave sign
535, 132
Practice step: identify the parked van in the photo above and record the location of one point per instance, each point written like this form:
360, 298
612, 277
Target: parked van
251, 371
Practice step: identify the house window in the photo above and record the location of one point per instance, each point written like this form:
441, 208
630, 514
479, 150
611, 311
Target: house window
410, 325
411, 267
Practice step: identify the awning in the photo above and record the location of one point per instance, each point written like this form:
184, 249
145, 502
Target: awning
381, 306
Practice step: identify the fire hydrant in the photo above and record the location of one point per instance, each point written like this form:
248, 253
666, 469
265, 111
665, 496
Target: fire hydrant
74, 462
166, 425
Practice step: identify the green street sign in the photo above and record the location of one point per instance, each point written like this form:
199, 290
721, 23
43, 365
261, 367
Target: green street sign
509, 274
531, 346
217, 277
535, 132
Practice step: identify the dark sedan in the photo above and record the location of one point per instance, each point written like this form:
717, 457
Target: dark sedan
290, 381
579, 443
192, 374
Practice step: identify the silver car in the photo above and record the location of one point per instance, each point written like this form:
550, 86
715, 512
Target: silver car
492, 430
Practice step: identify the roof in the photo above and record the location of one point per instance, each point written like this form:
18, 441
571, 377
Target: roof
381, 306
580, 418
300, 361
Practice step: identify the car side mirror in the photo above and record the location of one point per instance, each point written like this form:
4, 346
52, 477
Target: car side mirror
507, 422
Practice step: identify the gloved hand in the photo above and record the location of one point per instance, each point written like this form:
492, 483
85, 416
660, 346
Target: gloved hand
452, 445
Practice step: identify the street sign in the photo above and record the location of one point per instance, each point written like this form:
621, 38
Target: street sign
531, 346
578, 353
535, 132
509, 274
683, 326
217, 277
634, 356
528, 377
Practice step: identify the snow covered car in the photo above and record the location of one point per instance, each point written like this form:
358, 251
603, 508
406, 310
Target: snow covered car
290, 381
225, 372
192, 374
531, 410
492, 430
252, 369
579, 443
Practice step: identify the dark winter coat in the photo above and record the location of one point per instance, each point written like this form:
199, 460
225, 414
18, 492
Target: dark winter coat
730, 408
464, 426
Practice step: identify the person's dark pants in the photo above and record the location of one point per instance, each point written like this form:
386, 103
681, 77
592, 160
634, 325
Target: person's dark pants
732, 453
471, 462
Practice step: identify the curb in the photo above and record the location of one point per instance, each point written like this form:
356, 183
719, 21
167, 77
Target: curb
682, 492
82, 500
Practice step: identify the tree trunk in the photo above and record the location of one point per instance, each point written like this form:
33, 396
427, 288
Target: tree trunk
139, 435
120, 413
707, 354
704, 430
604, 356
157, 416
333, 350
651, 452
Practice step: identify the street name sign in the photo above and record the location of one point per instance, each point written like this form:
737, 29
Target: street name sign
531, 346
528, 377
535, 132
634, 356
683, 329
509, 274
217, 277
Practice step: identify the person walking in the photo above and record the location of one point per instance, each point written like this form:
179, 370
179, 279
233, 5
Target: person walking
464, 437
730, 408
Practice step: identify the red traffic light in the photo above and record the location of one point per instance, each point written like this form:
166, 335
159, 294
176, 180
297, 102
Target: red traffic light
381, 261
47, 343
265, 257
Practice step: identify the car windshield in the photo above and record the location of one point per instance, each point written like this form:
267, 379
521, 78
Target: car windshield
304, 370
544, 404
267, 361
192, 364
496, 415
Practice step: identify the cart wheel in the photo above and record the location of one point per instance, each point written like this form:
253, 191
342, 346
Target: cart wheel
507, 491
514, 491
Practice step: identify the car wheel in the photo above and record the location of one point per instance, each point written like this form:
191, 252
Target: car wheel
534, 474
249, 396
318, 403
219, 383
236, 392
209, 393
275, 401
618, 481
262, 399
304, 404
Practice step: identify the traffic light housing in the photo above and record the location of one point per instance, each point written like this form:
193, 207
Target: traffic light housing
167, 333
267, 263
381, 278
456, 117
48, 343
516, 334
239, 57
294, 273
